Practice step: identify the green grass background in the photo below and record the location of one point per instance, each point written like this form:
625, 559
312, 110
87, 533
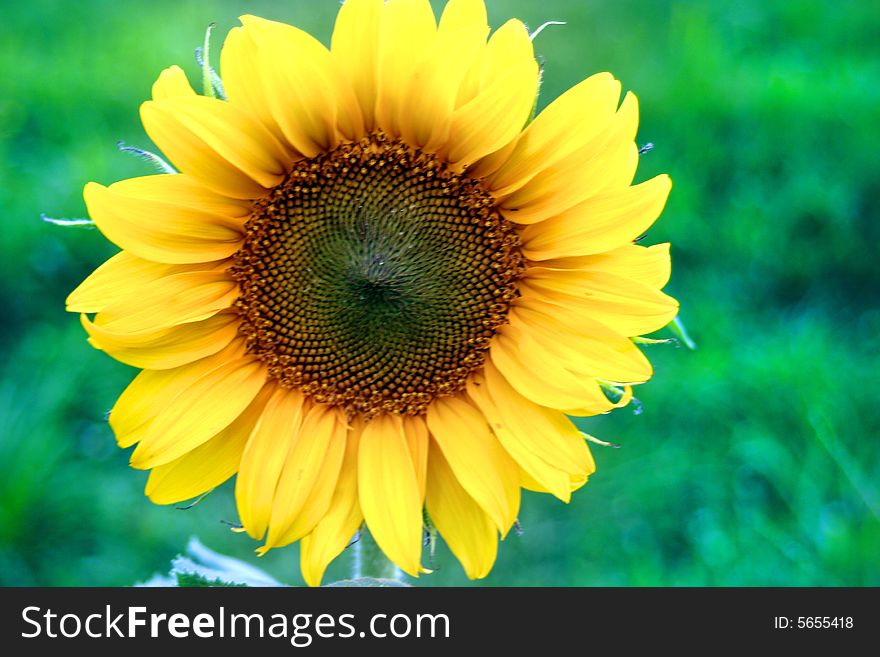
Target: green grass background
756, 459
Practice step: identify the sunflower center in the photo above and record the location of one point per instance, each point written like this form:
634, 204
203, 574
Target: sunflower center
374, 277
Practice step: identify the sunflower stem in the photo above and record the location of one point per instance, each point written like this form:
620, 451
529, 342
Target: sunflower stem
370, 561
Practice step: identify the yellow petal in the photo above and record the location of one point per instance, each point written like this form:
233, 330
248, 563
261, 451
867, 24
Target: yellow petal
580, 344
546, 479
486, 166
543, 441
600, 223
172, 83
417, 440
355, 46
152, 390
209, 464
309, 476
335, 530
650, 265
118, 276
200, 411
245, 80
217, 143
539, 377
530, 483
389, 492
495, 115
160, 230
623, 305
466, 528
263, 459
170, 300
509, 46
602, 164
321, 497
578, 481
310, 98
547, 432
463, 14
407, 30
167, 347
183, 190
426, 114
476, 457
568, 123
623, 395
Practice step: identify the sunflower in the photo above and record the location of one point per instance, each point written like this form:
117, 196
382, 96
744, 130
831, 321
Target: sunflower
377, 287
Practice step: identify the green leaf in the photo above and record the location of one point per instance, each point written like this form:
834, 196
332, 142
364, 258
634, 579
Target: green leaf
194, 580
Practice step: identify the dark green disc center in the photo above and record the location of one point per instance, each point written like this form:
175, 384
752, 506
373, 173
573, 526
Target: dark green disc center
374, 277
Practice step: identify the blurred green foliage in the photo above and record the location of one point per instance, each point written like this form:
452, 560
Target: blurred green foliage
755, 461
